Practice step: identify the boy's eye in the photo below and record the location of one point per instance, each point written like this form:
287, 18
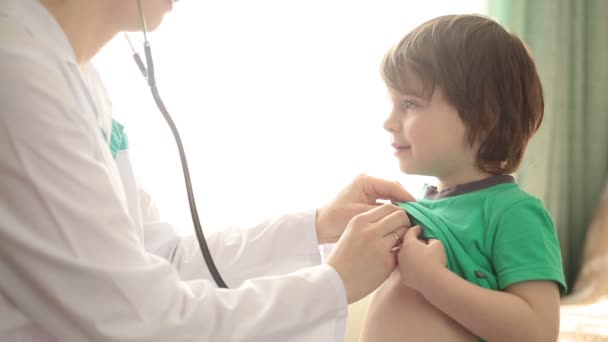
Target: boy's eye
410, 104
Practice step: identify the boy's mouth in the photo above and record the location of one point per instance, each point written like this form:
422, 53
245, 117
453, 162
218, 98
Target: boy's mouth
401, 148
397, 146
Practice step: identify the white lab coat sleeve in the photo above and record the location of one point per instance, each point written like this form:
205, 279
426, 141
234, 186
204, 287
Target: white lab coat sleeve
273, 247
71, 259
326, 250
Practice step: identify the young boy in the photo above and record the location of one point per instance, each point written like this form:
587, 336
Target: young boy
466, 100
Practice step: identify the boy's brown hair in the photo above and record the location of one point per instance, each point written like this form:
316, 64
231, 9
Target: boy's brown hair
487, 73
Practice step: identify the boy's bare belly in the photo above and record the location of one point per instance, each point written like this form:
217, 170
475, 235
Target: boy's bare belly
398, 313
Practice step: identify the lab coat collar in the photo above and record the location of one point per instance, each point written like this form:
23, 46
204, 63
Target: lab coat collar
41, 25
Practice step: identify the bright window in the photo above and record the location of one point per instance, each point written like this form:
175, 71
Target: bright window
279, 103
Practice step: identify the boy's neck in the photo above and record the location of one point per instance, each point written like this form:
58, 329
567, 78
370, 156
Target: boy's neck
459, 179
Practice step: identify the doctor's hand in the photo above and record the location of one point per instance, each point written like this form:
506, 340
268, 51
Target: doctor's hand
363, 256
358, 197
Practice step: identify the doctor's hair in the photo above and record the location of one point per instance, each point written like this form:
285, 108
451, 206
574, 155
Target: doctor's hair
487, 73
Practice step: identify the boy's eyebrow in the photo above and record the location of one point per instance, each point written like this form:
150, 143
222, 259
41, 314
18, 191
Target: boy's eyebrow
394, 93
412, 95
417, 97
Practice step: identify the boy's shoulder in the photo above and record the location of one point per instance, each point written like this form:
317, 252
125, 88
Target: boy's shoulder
513, 199
513, 206
510, 194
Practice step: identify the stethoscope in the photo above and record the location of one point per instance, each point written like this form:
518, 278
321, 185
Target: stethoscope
148, 73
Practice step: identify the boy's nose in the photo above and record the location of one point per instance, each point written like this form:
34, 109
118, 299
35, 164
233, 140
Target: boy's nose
391, 124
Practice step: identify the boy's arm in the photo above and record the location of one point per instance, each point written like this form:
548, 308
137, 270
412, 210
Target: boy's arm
526, 311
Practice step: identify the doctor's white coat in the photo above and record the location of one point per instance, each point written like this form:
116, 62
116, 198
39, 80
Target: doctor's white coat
83, 254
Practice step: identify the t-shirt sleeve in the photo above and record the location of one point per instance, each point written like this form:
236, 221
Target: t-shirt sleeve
526, 246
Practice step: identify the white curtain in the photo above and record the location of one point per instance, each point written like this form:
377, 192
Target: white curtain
279, 103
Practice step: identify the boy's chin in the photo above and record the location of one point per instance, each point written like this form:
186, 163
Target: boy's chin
411, 170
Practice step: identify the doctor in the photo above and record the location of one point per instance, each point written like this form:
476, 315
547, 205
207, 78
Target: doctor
83, 255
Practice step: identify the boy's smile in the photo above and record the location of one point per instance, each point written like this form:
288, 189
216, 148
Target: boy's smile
401, 148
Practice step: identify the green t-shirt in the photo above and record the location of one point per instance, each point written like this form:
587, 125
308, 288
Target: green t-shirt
494, 236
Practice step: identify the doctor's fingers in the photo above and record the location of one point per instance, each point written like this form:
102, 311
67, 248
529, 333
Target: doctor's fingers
392, 221
392, 229
377, 188
376, 214
394, 239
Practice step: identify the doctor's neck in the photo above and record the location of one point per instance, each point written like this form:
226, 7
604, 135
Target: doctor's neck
88, 25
